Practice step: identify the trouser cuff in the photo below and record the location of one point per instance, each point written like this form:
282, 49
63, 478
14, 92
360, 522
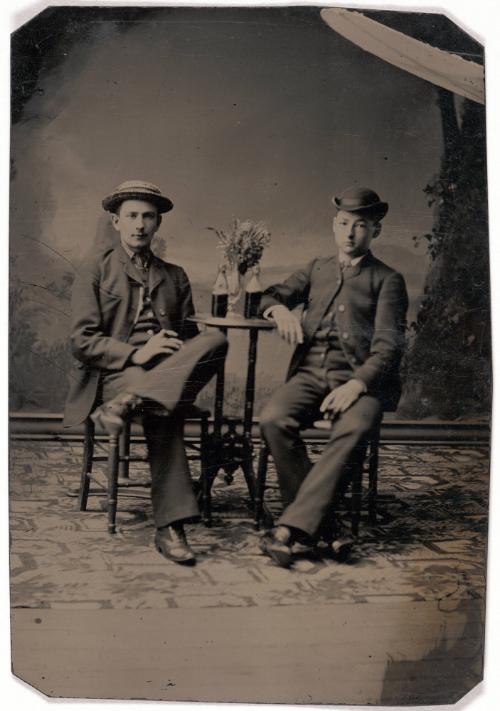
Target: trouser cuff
301, 533
177, 516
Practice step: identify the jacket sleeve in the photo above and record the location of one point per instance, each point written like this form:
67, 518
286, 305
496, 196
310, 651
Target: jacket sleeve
186, 329
291, 293
89, 344
388, 341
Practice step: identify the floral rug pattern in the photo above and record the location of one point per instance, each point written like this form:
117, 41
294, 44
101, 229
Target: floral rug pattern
429, 542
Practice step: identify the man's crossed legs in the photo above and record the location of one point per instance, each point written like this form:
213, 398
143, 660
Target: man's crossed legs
172, 383
308, 489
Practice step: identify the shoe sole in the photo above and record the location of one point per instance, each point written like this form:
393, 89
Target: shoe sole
282, 556
342, 551
179, 561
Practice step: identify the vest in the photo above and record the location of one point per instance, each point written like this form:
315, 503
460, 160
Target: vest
146, 323
325, 350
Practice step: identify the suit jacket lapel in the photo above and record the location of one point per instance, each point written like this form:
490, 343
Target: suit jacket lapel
128, 266
333, 281
335, 277
350, 272
330, 283
156, 274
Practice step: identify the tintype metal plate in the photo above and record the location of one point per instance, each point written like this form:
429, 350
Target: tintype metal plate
258, 114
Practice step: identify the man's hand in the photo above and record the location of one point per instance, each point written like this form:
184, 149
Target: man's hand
341, 398
162, 343
287, 324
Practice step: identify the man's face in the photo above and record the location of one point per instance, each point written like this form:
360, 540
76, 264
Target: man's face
136, 221
354, 233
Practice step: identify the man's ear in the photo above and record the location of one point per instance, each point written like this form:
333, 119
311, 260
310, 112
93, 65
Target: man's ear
158, 223
114, 221
377, 230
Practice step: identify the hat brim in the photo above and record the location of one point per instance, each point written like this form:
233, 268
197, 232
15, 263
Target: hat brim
376, 209
113, 202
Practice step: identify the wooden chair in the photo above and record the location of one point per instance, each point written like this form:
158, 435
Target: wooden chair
369, 466
118, 460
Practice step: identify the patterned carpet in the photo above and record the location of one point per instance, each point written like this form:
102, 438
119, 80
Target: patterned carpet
429, 544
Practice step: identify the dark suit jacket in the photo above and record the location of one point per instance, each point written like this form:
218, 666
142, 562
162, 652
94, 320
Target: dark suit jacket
371, 305
105, 303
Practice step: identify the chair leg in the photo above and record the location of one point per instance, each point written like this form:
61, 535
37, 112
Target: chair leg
88, 455
113, 462
206, 483
125, 451
373, 479
260, 484
356, 498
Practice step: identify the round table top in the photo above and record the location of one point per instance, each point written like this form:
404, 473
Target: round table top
234, 321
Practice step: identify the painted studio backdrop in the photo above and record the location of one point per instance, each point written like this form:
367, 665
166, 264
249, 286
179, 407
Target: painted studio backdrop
258, 114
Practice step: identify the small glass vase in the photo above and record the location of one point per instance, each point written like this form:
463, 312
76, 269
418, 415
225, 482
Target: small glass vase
234, 287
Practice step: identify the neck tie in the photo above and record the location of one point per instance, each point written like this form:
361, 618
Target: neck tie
142, 259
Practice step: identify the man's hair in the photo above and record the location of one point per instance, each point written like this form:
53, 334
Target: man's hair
374, 215
376, 218
116, 210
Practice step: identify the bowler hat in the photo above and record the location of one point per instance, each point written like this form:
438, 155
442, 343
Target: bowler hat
361, 200
137, 190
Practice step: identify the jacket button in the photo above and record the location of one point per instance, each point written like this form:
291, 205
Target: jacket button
341, 307
354, 361
345, 335
162, 312
150, 331
150, 314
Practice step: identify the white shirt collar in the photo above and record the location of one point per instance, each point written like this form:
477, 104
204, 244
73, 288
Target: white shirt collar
354, 261
129, 252
126, 249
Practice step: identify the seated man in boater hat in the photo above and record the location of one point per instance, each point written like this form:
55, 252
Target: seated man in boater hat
136, 349
346, 363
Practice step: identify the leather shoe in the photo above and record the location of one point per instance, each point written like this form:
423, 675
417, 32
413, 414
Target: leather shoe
171, 542
341, 548
110, 415
336, 537
277, 544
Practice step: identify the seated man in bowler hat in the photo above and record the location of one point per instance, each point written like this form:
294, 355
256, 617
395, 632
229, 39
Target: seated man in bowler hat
346, 362
136, 349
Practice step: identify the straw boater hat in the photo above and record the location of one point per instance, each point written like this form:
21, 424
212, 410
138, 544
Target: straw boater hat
137, 190
361, 200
